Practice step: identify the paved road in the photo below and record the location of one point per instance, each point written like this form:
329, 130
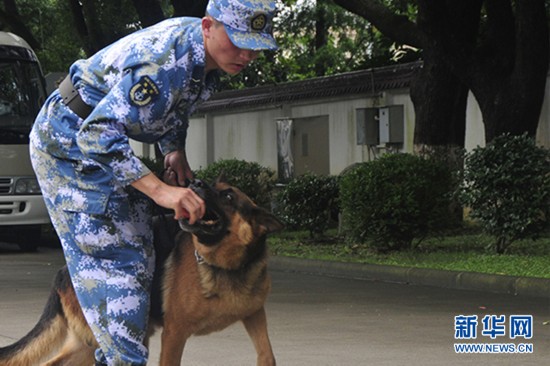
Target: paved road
315, 320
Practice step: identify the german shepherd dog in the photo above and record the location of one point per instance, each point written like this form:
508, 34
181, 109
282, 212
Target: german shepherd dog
213, 274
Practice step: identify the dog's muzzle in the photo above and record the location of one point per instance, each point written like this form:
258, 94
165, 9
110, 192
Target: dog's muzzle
213, 222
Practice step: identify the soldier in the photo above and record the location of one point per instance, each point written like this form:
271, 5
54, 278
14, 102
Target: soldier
98, 193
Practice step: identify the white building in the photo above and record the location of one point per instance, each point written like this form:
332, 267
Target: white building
331, 122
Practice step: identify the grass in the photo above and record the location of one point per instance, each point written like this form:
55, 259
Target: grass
457, 252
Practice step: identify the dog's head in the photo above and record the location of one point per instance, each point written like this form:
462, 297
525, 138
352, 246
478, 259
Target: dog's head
230, 215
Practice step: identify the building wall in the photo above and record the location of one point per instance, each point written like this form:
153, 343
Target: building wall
475, 134
197, 142
342, 125
543, 131
251, 134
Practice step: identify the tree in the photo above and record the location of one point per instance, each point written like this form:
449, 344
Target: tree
101, 22
190, 8
12, 19
149, 12
497, 49
64, 30
507, 186
436, 93
43, 24
61, 31
507, 69
318, 38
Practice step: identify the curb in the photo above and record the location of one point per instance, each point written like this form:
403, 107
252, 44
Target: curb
512, 285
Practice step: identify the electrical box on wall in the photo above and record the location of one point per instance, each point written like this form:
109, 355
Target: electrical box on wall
384, 125
391, 124
367, 126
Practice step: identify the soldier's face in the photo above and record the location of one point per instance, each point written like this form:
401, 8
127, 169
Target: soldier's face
221, 53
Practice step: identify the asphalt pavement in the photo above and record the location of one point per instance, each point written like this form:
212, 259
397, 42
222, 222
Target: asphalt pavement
315, 319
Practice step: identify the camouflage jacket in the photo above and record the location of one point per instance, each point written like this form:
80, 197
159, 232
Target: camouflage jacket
142, 87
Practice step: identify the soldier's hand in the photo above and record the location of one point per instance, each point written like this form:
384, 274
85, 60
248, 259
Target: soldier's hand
184, 202
176, 161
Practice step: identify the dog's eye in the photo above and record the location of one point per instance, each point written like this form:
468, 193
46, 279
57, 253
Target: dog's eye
227, 195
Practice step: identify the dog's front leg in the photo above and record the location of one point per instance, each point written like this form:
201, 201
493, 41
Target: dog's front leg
256, 326
172, 343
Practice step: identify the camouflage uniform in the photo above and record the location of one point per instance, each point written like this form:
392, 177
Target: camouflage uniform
142, 87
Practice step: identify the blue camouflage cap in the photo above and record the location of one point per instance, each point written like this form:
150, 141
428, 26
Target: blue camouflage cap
248, 23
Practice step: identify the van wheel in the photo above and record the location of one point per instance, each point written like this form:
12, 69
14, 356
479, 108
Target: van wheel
29, 237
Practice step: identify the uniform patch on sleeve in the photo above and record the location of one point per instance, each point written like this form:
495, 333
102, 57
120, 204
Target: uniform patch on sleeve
143, 92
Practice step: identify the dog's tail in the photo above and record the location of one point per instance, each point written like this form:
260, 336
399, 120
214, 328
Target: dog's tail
46, 336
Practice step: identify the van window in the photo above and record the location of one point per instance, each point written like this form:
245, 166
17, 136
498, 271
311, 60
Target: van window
21, 96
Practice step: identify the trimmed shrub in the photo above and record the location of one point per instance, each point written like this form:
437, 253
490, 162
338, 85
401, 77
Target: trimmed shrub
306, 202
507, 187
394, 200
253, 179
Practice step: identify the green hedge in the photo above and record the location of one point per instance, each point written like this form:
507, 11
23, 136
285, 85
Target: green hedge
307, 201
395, 199
507, 187
253, 179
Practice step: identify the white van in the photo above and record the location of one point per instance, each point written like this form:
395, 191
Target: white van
22, 92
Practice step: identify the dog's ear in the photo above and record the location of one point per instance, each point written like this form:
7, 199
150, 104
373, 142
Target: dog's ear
268, 221
221, 178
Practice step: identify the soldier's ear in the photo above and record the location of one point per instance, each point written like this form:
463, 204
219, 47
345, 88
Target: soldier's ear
206, 24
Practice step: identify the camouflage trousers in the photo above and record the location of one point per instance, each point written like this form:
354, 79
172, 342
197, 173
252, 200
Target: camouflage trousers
110, 257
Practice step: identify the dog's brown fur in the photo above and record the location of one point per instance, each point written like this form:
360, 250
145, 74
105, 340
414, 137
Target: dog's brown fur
205, 287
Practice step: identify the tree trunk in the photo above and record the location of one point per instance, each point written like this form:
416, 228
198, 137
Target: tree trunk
88, 25
96, 37
396, 27
320, 37
511, 96
189, 8
149, 12
438, 96
80, 25
504, 63
12, 19
439, 100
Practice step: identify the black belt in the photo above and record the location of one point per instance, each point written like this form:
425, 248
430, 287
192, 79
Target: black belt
72, 99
